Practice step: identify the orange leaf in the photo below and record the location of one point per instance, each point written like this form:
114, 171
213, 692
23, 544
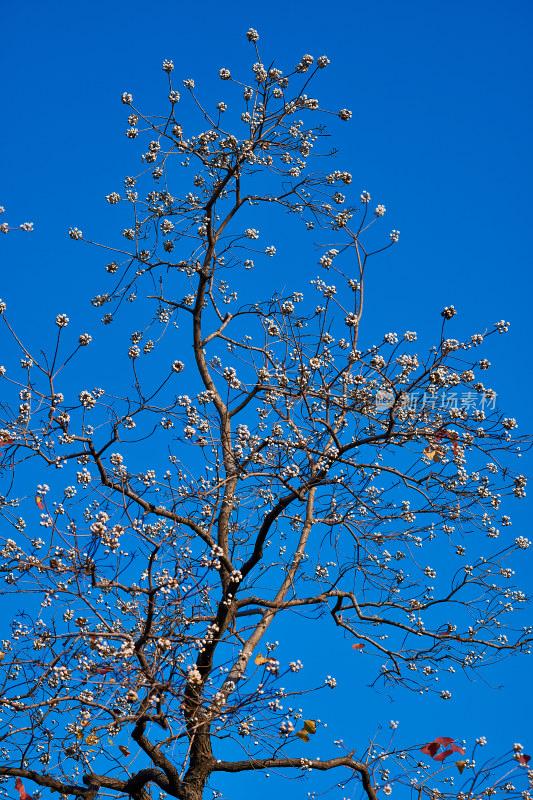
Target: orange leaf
433, 454
357, 646
124, 750
39, 502
260, 660
460, 766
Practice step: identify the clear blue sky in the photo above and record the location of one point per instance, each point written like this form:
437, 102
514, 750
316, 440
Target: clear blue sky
441, 134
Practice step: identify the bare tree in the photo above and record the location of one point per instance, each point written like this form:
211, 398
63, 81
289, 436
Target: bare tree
282, 467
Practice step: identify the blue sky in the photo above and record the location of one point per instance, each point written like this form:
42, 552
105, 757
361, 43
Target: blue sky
441, 135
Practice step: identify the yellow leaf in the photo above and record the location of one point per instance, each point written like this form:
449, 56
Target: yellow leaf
460, 766
309, 727
110, 741
124, 750
259, 660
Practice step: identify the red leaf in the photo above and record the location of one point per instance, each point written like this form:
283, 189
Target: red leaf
357, 646
444, 740
19, 786
7, 441
430, 749
451, 435
39, 502
456, 749
103, 670
442, 756
523, 759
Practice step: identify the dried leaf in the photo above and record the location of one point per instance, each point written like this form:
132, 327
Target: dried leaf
19, 786
357, 646
433, 454
124, 750
2, 656
39, 502
260, 660
92, 643
92, 738
79, 735
309, 725
460, 766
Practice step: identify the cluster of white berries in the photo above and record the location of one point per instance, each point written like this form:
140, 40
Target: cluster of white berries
448, 312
